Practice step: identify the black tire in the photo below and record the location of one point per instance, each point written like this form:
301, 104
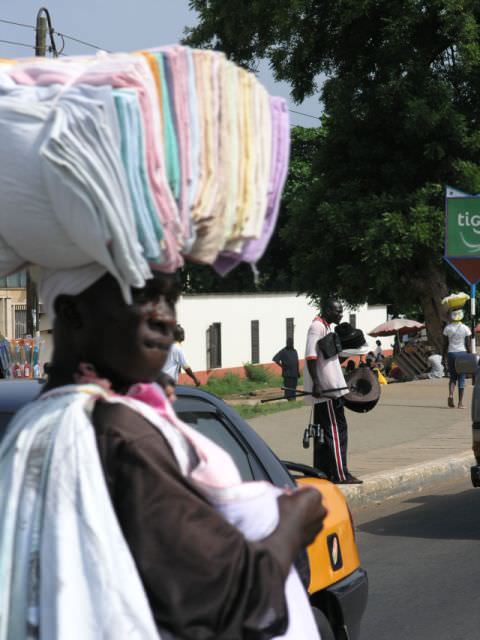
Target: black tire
323, 624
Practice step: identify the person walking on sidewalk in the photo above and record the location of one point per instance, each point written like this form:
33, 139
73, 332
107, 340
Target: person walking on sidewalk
176, 360
287, 359
323, 377
457, 339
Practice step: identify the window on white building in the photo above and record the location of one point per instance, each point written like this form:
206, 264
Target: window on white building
352, 319
255, 341
214, 346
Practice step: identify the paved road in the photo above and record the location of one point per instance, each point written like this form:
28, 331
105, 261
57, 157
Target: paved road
422, 556
410, 424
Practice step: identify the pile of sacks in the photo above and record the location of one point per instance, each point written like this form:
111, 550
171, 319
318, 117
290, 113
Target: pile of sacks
133, 162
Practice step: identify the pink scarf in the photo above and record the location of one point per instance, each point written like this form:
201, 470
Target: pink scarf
216, 467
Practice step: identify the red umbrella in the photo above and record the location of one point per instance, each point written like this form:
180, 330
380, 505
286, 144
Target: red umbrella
397, 326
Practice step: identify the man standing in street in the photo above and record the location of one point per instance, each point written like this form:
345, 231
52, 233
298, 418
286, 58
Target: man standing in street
323, 377
287, 359
176, 360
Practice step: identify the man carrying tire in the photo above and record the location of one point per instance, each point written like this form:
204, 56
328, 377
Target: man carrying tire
323, 377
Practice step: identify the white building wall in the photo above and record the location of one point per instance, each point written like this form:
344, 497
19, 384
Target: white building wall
235, 313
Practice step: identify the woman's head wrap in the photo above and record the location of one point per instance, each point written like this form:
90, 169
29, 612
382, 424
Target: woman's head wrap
52, 284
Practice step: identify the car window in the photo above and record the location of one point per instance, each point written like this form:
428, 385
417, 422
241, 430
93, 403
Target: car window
211, 426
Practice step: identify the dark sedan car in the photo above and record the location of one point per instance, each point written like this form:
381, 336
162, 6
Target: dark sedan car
338, 585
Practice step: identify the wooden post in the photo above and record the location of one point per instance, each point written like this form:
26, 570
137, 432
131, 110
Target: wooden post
32, 298
41, 36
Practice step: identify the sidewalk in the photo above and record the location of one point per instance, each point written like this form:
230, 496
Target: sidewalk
411, 438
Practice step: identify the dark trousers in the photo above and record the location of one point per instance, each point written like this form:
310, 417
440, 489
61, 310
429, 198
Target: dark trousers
291, 383
331, 455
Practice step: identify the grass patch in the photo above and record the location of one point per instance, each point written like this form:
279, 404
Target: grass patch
232, 384
256, 373
247, 411
229, 384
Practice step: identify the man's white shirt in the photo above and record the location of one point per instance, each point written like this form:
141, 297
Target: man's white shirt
176, 361
329, 371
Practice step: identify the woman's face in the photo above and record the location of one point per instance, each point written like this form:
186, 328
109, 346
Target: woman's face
130, 343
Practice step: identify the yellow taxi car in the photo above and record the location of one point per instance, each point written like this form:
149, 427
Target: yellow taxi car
336, 582
338, 585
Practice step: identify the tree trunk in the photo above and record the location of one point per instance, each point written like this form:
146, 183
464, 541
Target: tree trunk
430, 287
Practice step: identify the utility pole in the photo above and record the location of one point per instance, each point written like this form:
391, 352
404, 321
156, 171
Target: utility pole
41, 34
43, 26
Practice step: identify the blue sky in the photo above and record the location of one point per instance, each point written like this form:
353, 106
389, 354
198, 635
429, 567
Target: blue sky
121, 25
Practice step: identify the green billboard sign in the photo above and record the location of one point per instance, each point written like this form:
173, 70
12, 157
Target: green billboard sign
463, 227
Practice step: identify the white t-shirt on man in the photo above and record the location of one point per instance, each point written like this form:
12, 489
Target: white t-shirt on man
175, 361
456, 332
329, 371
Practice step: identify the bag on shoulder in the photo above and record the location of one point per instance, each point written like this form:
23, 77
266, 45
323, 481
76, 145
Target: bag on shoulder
330, 345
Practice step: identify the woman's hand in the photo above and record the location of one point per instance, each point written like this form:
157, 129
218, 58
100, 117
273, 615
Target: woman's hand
301, 516
304, 510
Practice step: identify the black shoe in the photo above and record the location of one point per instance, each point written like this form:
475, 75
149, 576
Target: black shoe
353, 480
348, 480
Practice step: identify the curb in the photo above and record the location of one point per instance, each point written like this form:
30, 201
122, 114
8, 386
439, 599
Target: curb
379, 487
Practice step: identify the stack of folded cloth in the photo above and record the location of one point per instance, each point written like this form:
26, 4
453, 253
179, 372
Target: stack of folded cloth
135, 162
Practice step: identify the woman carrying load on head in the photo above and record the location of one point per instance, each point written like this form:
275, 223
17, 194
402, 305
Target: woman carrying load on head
116, 517
457, 339
116, 505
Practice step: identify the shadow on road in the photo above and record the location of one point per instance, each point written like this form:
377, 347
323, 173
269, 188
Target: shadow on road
449, 517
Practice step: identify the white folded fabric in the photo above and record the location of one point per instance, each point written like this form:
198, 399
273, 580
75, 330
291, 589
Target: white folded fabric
64, 198
59, 536
53, 283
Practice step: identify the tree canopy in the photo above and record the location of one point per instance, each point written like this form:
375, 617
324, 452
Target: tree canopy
401, 120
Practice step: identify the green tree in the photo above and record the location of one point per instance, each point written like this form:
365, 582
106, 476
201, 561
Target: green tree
402, 112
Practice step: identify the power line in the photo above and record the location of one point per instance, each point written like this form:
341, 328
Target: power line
307, 115
54, 31
18, 24
87, 44
94, 46
52, 48
17, 44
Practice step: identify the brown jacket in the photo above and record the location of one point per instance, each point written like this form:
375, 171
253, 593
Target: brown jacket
202, 579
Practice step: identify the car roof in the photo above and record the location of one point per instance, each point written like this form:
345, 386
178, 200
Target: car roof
16, 393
